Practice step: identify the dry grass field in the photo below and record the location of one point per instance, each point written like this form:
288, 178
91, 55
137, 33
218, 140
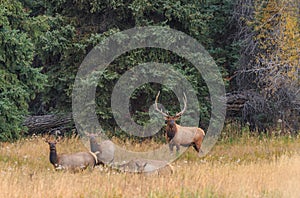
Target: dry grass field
244, 167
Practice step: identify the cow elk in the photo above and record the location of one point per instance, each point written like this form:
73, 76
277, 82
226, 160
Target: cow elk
74, 162
147, 166
180, 135
105, 151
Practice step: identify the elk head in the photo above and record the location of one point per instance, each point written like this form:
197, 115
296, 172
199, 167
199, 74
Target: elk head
170, 120
52, 143
54, 158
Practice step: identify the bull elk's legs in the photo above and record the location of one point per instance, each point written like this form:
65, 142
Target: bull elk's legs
177, 148
171, 146
197, 145
196, 148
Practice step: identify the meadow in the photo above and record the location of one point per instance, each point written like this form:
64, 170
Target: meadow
244, 166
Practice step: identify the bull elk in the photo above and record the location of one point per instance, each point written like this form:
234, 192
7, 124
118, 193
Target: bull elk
180, 135
74, 161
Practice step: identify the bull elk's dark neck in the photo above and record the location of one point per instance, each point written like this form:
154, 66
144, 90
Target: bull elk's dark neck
171, 131
53, 157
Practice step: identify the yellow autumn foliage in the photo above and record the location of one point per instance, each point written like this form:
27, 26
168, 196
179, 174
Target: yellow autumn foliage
277, 35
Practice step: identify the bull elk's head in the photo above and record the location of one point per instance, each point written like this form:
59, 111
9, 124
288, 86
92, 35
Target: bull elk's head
171, 119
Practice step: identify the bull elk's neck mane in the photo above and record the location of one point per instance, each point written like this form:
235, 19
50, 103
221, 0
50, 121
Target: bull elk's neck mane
171, 131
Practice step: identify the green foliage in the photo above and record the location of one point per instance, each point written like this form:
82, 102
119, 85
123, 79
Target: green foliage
19, 80
81, 25
58, 55
59, 33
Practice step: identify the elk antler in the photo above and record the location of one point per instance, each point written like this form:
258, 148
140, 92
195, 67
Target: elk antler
156, 107
184, 108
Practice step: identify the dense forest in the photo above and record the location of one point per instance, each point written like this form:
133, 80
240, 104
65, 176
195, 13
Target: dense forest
255, 44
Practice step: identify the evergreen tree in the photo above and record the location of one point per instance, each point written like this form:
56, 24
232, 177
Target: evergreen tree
18, 79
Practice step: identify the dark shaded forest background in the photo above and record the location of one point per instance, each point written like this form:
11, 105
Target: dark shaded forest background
255, 43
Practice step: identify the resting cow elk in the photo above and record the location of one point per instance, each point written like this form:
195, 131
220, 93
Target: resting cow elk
147, 166
74, 161
179, 135
105, 151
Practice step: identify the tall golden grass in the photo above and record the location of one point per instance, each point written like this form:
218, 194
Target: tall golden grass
247, 167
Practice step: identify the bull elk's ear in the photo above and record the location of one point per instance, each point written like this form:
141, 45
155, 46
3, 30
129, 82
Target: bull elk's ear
167, 117
177, 117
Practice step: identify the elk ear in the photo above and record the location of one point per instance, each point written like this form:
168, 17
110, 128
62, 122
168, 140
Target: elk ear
58, 139
45, 140
177, 117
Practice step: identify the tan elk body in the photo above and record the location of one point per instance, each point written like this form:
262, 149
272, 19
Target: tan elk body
74, 161
186, 136
178, 135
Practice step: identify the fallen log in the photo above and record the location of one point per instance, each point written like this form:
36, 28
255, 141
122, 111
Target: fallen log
236, 100
48, 123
